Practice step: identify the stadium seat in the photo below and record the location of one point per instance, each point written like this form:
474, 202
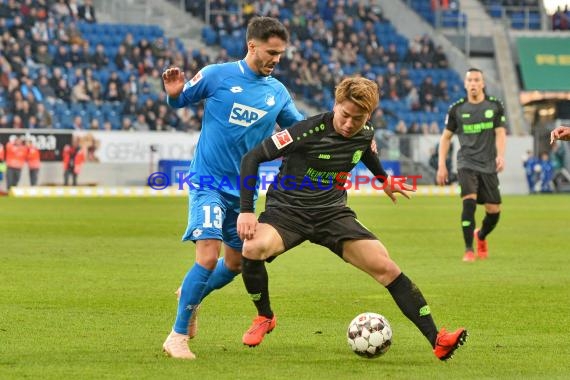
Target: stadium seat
209, 36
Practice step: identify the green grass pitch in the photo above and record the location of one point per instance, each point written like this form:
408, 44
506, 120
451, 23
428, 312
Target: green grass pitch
87, 292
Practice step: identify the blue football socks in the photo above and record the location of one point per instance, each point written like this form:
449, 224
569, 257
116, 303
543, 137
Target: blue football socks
221, 276
193, 287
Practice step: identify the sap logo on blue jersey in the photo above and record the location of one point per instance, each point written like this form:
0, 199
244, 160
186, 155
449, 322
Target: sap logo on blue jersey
244, 115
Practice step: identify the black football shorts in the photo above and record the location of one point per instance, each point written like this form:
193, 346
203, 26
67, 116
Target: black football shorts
485, 185
328, 227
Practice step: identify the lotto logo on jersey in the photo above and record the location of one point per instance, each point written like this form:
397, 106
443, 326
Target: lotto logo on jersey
244, 115
282, 139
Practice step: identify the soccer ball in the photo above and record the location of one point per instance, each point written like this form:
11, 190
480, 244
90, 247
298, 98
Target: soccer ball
369, 335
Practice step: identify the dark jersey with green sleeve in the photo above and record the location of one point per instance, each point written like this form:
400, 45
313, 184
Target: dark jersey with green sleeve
474, 125
316, 160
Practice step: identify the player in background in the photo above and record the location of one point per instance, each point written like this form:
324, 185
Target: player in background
560, 133
243, 103
308, 202
480, 124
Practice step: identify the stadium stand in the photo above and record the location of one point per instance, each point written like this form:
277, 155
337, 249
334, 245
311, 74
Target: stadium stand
111, 71
440, 13
77, 67
519, 14
330, 41
64, 67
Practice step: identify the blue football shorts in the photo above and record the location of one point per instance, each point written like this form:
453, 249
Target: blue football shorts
213, 215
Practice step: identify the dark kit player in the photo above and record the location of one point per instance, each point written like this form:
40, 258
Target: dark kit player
479, 122
316, 153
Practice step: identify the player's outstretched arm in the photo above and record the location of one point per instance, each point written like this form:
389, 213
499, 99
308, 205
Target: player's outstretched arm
397, 185
173, 79
246, 225
444, 144
560, 133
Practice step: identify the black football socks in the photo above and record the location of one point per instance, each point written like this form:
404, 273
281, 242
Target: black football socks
489, 223
414, 306
468, 222
256, 282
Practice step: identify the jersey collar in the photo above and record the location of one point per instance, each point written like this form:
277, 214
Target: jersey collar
249, 73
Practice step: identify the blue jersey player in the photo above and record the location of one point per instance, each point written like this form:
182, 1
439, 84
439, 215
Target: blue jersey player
243, 103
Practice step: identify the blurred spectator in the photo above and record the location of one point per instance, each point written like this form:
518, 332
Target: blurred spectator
158, 48
185, 116
545, 184
77, 123
425, 57
40, 33
131, 87
441, 92
62, 57
415, 128
149, 61
130, 106
32, 122
219, 26
122, 60
79, 92
149, 110
99, 58
561, 19
73, 159
440, 59
428, 103
434, 128
46, 89
43, 117
127, 124
401, 128
73, 9
222, 57
29, 88
558, 160
94, 125
77, 55
155, 81
426, 87
93, 86
33, 160
160, 125
62, 91
42, 56
113, 93
439, 4
18, 122
392, 54
86, 12
413, 99
60, 10
532, 169
15, 159
128, 43
140, 123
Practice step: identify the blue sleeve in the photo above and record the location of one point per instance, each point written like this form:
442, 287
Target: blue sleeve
200, 87
289, 115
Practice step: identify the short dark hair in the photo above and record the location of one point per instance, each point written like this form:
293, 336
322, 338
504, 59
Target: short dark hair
474, 69
263, 28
